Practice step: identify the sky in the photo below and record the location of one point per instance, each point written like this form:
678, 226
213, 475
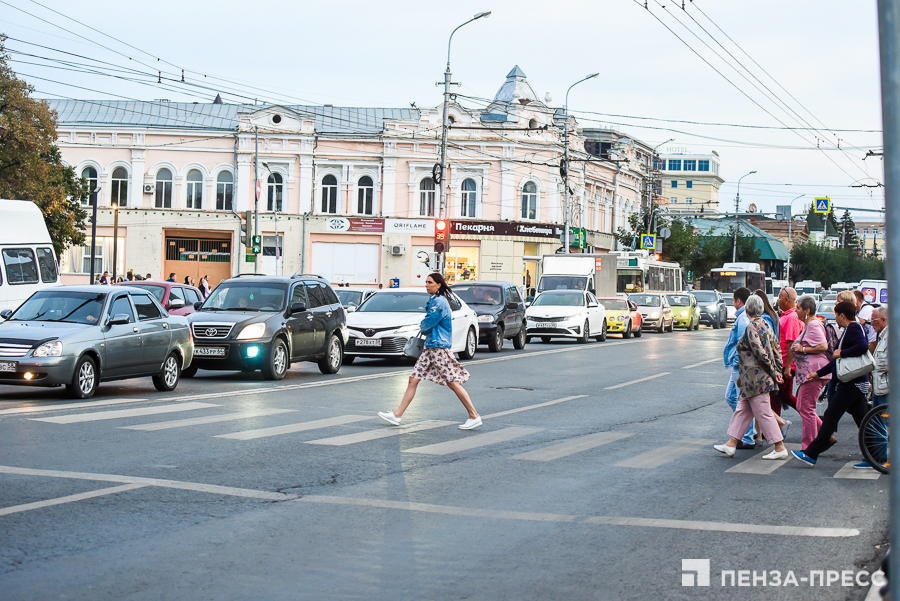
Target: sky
812, 68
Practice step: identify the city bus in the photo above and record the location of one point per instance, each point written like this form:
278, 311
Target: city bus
732, 276
639, 271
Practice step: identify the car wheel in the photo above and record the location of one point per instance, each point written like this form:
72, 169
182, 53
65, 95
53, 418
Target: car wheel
545, 339
672, 326
348, 359
85, 380
471, 343
640, 331
334, 356
276, 365
527, 339
495, 344
168, 376
520, 339
602, 336
715, 325
585, 333
190, 372
627, 333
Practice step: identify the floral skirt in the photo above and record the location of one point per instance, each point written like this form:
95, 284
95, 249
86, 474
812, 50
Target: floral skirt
440, 366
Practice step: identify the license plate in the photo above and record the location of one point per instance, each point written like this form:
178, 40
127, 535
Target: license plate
209, 351
544, 324
368, 342
7, 366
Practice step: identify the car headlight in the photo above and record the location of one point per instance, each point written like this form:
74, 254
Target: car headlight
654, 315
407, 330
485, 319
621, 318
48, 349
254, 330
711, 307
684, 313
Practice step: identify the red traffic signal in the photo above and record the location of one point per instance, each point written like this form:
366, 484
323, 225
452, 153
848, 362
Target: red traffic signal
441, 235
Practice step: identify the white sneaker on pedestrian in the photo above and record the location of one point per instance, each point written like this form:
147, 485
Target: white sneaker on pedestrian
724, 448
471, 423
389, 417
776, 455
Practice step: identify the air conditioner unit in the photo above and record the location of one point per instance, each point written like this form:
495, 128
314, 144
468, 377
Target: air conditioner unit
149, 188
398, 250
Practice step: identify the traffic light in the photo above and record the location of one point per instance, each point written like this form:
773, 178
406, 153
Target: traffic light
441, 236
246, 216
257, 244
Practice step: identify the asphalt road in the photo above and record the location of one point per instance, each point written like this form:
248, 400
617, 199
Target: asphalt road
593, 477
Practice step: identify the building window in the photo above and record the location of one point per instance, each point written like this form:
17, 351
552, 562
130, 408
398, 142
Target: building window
690, 165
529, 201
426, 197
467, 208
674, 183
702, 165
364, 195
673, 199
163, 189
329, 194
866, 230
675, 165
689, 201
77, 259
90, 174
119, 187
875, 231
857, 230
276, 192
689, 185
194, 189
224, 191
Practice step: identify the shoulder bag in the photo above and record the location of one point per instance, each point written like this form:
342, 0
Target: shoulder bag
850, 368
414, 346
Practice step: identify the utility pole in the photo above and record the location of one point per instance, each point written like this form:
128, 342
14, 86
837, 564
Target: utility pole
737, 200
256, 196
564, 168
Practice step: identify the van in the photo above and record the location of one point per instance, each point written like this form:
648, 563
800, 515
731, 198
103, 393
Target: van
808, 287
874, 291
594, 273
26, 253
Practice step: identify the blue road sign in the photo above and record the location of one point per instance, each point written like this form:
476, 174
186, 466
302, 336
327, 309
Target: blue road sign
823, 205
648, 241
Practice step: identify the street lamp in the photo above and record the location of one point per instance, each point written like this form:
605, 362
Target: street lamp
790, 239
115, 206
565, 166
653, 170
441, 209
737, 200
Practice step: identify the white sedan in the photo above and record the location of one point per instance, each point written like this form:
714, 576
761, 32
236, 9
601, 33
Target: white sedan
566, 314
383, 323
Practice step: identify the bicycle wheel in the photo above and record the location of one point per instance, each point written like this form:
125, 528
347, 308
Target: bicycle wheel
873, 438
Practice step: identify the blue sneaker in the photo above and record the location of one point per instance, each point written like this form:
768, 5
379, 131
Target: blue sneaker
864, 465
787, 426
804, 460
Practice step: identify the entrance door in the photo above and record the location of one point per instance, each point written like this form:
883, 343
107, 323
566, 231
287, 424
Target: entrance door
198, 257
303, 333
155, 334
123, 341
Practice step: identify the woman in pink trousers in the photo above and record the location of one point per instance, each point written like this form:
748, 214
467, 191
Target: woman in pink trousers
809, 356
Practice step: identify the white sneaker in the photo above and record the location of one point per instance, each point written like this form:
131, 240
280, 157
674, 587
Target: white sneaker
389, 417
776, 455
471, 423
724, 448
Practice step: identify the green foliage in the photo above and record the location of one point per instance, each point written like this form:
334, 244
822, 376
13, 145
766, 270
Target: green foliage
847, 229
811, 261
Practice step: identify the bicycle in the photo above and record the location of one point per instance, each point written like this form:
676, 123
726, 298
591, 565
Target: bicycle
873, 438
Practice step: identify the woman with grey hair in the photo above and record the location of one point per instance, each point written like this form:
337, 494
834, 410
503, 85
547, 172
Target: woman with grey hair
809, 357
759, 365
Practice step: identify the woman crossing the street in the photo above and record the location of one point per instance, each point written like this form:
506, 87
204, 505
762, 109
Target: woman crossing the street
437, 363
809, 357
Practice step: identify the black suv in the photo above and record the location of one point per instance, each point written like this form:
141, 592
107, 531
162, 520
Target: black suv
500, 309
713, 310
252, 322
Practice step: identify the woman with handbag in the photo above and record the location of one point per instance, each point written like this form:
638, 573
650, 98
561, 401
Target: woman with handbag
851, 365
437, 363
759, 365
809, 349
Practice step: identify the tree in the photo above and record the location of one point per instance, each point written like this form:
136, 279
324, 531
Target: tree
847, 228
31, 166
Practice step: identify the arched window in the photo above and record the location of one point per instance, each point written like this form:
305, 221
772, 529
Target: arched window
163, 189
276, 192
365, 193
90, 174
426, 197
329, 194
467, 208
119, 187
194, 189
224, 191
529, 201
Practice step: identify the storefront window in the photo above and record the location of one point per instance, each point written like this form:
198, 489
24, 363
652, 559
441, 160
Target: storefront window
462, 264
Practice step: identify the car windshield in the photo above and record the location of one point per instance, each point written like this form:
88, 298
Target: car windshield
479, 295
679, 300
561, 299
825, 308
395, 302
60, 305
157, 291
705, 296
613, 304
246, 297
562, 282
349, 298
644, 300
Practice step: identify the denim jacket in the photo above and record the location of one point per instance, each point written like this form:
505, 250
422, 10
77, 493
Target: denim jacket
438, 323
737, 332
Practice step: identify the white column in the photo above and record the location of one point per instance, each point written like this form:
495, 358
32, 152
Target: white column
507, 191
306, 183
388, 188
245, 185
138, 157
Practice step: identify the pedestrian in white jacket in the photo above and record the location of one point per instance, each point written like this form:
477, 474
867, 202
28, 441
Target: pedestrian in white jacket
880, 376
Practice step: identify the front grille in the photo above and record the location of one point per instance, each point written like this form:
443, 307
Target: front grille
373, 330
211, 331
549, 319
14, 350
388, 346
552, 331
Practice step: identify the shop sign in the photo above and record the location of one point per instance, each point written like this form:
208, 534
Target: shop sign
340, 225
422, 227
506, 228
497, 266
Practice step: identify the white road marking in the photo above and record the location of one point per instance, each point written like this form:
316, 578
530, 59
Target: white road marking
63, 407
624, 384
530, 407
666, 454
475, 441
70, 499
122, 413
757, 465
570, 447
209, 419
725, 527
385, 432
851, 473
567, 349
699, 364
300, 427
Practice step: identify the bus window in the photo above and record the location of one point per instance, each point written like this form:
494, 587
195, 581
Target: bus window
630, 280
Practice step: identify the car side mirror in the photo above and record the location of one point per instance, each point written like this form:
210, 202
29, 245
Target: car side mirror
175, 303
6, 313
298, 308
197, 305
592, 305
119, 319
351, 309
512, 305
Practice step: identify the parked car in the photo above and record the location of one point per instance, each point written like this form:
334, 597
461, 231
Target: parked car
825, 311
382, 325
80, 336
685, 311
29, 262
713, 309
266, 323
178, 299
500, 309
622, 316
655, 310
353, 297
566, 314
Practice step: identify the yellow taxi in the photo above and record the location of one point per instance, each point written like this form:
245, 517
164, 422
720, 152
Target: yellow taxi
686, 311
622, 317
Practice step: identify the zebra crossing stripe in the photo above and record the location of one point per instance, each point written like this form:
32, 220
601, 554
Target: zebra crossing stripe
570, 447
849, 472
758, 465
666, 454
209, 419
386, 432
473, 442
293, 428
122, 413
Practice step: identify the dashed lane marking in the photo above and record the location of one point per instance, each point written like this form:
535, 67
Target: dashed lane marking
570, 447
70, 499
122, 413
624, 384
725, 527
299, 427
530, 407
473, 442
209, 419
699, 364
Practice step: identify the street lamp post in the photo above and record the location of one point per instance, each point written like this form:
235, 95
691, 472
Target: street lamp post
790, 243
565, 169
737, 200
95, 196
439, 260
115, 206
652, 205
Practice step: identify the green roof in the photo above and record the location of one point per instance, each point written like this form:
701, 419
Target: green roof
815, 223
770, 248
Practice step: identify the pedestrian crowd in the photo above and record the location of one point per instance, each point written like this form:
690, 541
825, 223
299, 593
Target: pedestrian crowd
203, 285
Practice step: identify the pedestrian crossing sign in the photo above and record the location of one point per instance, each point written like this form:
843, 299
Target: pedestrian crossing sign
648, 241
823, 205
